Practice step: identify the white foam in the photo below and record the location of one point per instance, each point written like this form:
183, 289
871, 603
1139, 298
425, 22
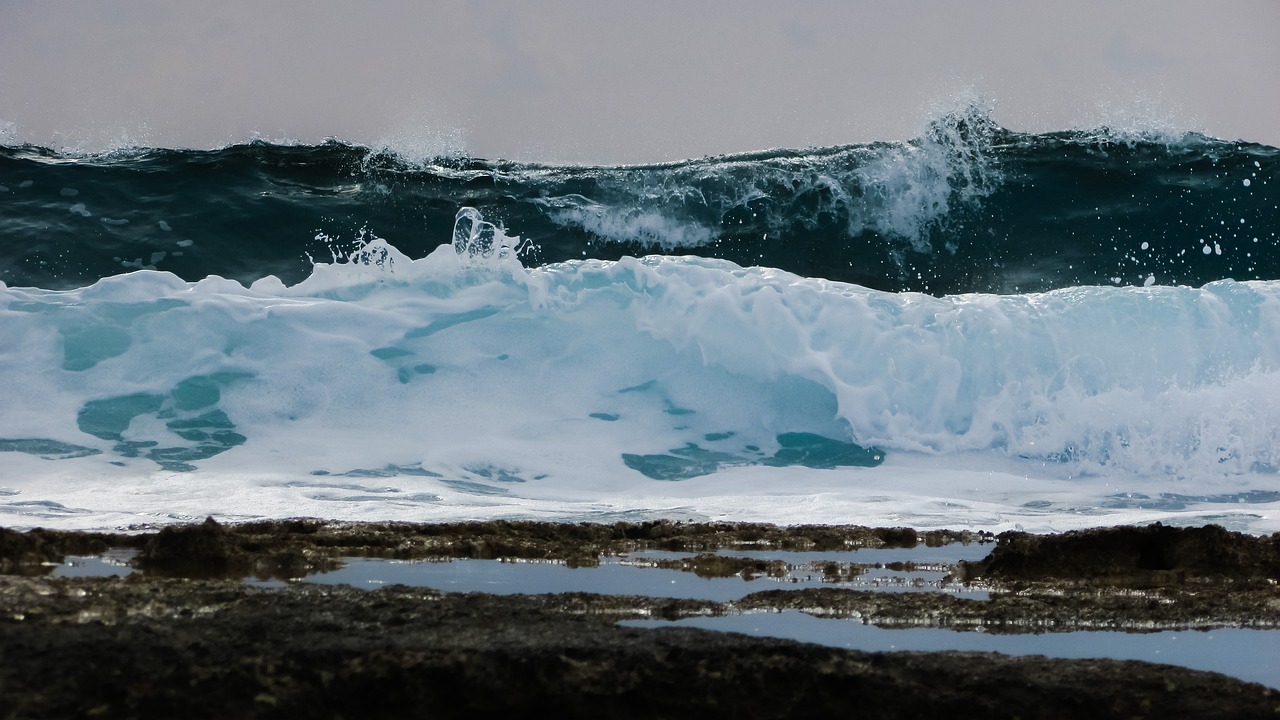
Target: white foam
899, 190
644, 226
464, 385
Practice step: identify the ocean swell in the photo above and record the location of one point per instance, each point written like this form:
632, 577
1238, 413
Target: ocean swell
966, 207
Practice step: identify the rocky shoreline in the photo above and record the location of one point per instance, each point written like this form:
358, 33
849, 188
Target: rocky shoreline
184, 636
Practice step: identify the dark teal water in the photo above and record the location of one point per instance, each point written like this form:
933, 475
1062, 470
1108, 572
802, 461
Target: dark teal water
968, 206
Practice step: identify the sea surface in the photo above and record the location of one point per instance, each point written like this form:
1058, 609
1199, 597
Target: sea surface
976, 328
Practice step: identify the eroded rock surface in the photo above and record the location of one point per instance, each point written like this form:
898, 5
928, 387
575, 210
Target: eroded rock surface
181, 639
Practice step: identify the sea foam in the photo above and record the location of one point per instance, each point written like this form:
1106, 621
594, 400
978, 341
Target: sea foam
464, 383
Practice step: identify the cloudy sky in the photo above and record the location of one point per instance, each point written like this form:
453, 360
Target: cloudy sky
620, 81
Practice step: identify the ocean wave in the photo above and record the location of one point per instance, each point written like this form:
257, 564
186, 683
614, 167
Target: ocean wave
966, 207
671, 367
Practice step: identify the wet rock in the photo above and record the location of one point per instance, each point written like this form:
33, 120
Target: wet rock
192, 550
19, 551
1151, 556
33, 551
293, 548
710, 565
212, 648
186, 638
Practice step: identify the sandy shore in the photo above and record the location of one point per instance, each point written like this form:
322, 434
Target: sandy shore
184, 637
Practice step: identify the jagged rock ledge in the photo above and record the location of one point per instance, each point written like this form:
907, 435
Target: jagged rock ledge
186, 638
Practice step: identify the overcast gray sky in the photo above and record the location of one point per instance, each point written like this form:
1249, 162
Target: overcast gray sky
620, 81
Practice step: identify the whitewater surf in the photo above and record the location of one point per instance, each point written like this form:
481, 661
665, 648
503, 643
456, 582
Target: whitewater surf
976, 328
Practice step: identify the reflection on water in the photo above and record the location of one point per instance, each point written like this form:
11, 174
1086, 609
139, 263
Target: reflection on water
1252, 655
635, 574
113, 562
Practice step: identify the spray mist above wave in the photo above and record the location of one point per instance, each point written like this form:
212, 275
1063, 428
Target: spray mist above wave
898, 191
966, 207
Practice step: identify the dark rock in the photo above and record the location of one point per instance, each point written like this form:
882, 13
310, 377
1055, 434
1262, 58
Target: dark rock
1154, 555
197, 649
204, 550
32, 552
177, 641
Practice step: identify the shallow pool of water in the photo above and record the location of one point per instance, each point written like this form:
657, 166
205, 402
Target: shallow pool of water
113, 562
612, 577
1252, 655
635, 574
